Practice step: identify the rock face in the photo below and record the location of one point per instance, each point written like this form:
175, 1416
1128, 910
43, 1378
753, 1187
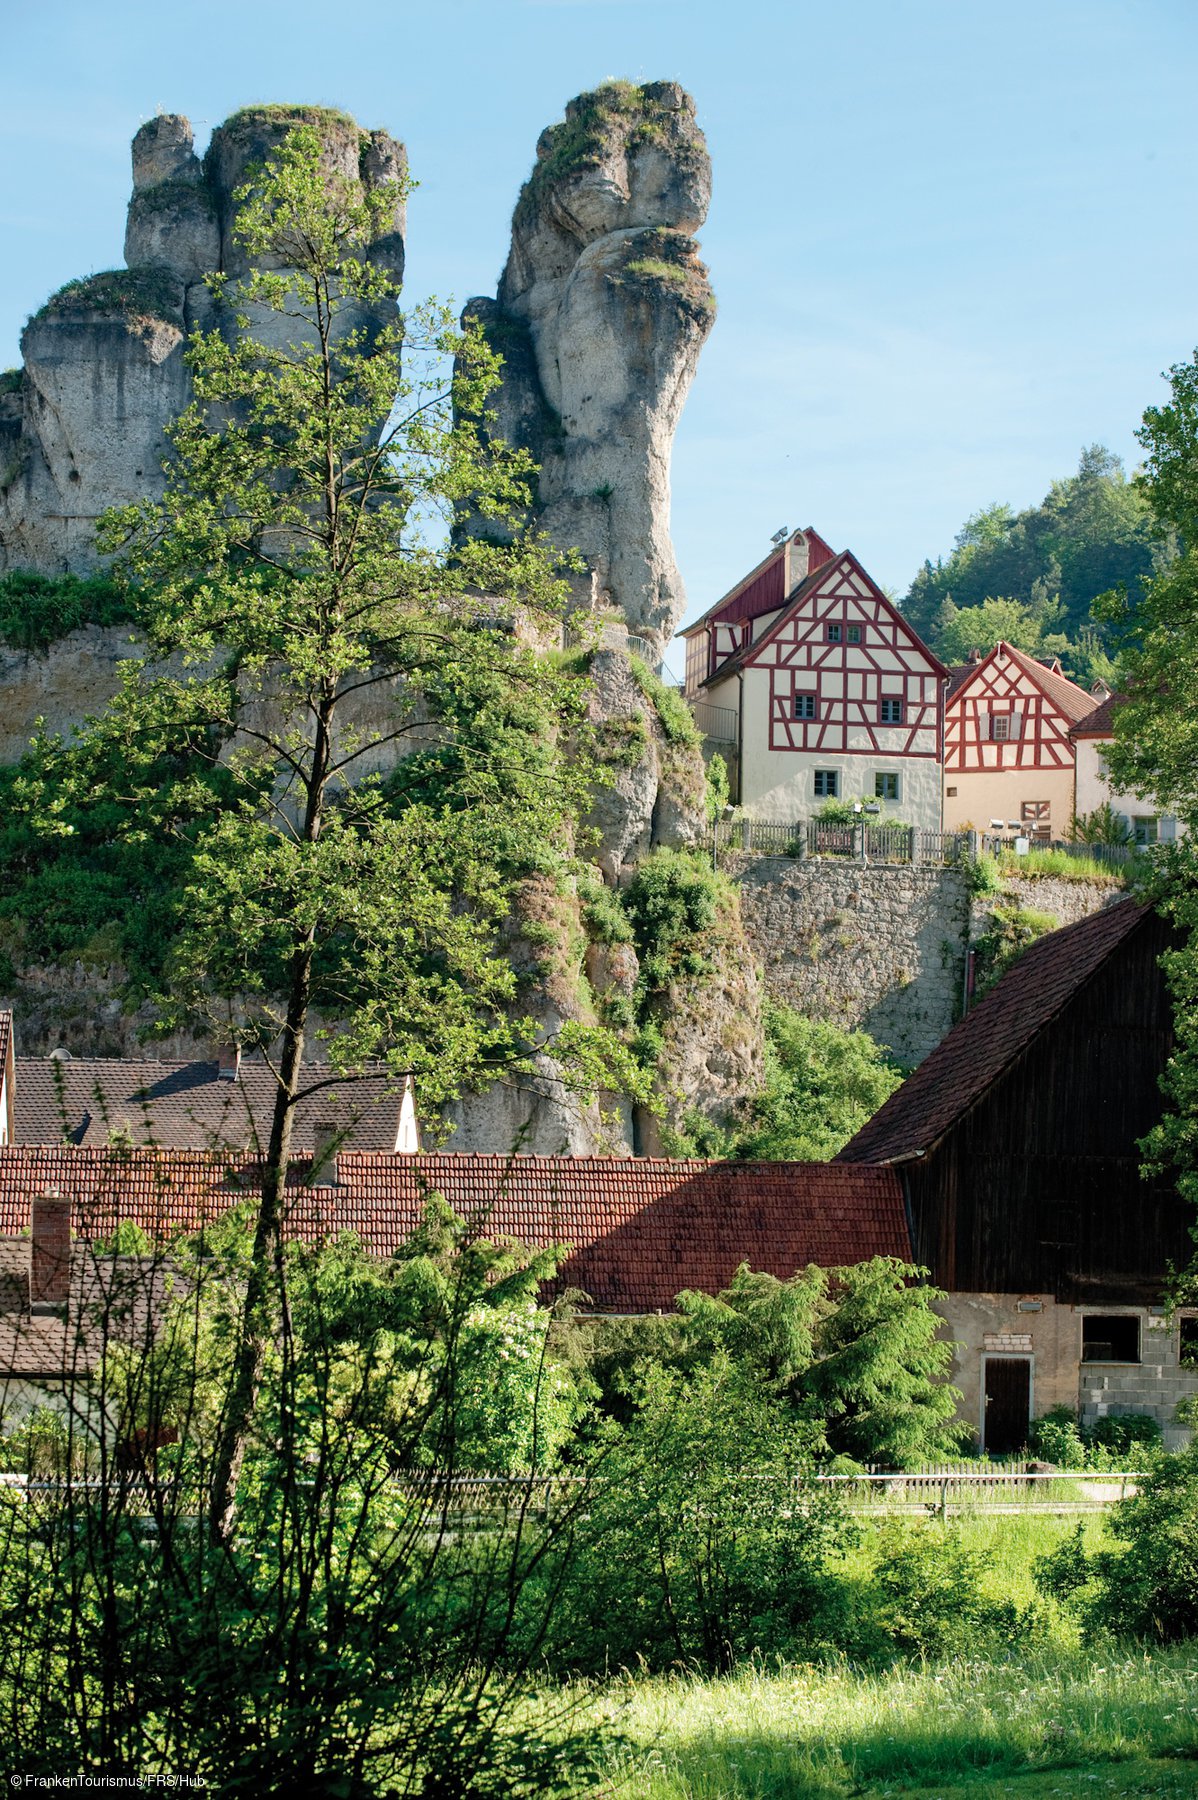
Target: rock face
81, 425
602, 310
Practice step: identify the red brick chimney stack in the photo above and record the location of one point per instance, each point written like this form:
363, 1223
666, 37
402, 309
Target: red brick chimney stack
50, 1261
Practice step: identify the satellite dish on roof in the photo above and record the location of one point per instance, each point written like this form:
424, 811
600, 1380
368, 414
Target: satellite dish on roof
59, 1056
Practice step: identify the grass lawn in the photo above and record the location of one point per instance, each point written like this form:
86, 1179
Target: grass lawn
1050, 1723
1053, 1718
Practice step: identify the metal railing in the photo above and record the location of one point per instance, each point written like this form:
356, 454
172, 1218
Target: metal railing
715, 722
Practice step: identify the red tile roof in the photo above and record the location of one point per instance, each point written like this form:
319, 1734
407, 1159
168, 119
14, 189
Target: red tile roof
1101, 722
640, 1229
988, 1040
1066, 696
186, 1106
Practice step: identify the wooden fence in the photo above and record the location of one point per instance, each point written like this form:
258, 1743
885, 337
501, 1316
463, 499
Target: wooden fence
890, 844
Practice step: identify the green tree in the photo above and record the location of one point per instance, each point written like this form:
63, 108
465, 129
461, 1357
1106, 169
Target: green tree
821, 1085
1155, 752
981, 627
1092, 531
357, 1635
321, 627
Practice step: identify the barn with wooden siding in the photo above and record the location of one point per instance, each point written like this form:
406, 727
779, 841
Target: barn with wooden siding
1017, 1145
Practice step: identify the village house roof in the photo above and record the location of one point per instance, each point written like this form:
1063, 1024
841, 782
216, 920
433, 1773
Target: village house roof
1070, 699
764, 587
109, 1299
985, 1043
639, 1230
190, 1105
794, 603
1101, 722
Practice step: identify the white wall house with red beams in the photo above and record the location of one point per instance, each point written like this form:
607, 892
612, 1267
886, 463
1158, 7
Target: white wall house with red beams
832, 694
1008, 754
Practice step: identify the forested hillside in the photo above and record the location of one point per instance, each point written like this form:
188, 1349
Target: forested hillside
1032, 577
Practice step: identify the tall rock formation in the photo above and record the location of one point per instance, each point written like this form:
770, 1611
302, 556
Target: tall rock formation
602, 310
81, 424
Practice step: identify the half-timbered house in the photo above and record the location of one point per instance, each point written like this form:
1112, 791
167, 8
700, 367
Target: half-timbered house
1017, 1145
1008, 755
826, 691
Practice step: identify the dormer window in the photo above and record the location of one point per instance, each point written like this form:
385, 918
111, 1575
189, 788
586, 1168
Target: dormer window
805, 706
892, 712
833, 634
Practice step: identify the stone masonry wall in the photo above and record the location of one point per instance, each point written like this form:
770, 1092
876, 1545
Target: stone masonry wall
881, 949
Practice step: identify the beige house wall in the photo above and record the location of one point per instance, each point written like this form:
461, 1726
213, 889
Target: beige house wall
1049, 1333
986, 794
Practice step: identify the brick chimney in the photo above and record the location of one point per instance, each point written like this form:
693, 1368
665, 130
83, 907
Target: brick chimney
796, 565
50, 1258
229, 1063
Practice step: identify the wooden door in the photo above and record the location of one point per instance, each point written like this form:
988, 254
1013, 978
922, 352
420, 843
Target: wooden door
1008, 1404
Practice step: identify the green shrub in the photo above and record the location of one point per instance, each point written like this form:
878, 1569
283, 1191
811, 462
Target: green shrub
718, 788
929, 1596
1055, 1437
605, 919
1014, 930
672, 900
835, 812
981, 874
674, 715
821, 1085
37, 610
1149, 1588
702, 1547
1122, 1432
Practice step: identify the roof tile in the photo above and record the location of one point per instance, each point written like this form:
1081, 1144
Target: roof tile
639, 1229
987, 1040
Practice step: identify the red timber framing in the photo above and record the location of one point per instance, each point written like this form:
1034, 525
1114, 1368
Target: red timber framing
1010, 712
847, 674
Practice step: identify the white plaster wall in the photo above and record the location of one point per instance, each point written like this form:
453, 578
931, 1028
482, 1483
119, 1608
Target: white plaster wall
1094, 788
779, 784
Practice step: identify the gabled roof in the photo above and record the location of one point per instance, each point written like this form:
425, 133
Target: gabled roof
806, 589
1101, 722
640, 1229
188, 1106
1065, 695
763, 588
988, 1040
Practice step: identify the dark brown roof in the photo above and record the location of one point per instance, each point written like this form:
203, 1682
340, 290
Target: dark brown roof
112, 1298
1101, 722
641, 1229
186, 1106
989, 1039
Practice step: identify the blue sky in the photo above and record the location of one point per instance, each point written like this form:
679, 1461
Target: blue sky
951, 242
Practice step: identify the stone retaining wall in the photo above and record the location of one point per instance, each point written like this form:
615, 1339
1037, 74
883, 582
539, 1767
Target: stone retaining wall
880, 949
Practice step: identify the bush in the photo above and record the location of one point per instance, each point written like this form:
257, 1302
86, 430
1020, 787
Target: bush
672, 900
929, 1598
37, 610
703, 1543
1058, 1438
1150, 1587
